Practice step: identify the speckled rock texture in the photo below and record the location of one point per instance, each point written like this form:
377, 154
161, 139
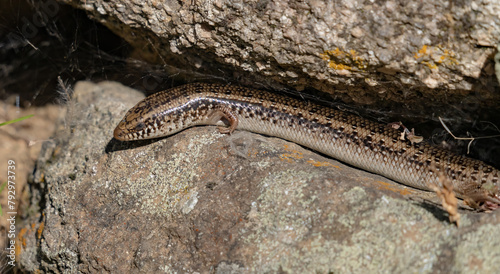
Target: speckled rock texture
200, 201
417, 53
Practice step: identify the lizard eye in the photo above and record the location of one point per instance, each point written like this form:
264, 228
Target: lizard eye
140, 126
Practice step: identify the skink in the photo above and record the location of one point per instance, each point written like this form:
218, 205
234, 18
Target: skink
354, 140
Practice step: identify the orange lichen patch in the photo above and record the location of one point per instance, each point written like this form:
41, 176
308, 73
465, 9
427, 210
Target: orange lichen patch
434, 56
294, 154
421, 52
253, 152
430, 65
448, 56
23, 232
388, 186
21, 240
336, 66
342, 60
40, 230
318, 164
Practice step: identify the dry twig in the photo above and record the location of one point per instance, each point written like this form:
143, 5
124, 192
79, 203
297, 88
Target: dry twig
444, 190
406, 134
471, 139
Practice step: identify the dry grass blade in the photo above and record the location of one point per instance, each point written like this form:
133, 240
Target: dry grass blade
444, 190
406, 134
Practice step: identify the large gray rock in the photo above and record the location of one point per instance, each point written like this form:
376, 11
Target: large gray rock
200, 201
416, 53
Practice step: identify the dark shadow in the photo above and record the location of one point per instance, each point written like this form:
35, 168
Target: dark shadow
115, 145
433, 208
438, 211
483, 107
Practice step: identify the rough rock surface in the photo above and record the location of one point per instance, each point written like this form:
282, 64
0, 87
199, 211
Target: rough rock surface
21, 142
409, 52
205, 202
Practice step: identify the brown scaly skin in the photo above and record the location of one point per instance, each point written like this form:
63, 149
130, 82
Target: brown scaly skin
346, 137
